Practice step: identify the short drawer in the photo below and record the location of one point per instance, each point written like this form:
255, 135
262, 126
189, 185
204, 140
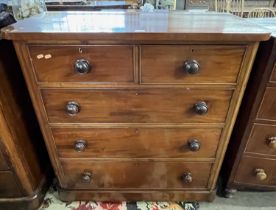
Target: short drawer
83, 63
3, 163
8, 185
88, 174
178, 64
267, 108
257, 171
136, 142
136, 106
262, 139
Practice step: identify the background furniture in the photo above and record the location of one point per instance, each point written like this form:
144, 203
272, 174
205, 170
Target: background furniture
143, 112
261, 13
24, 165
250, 162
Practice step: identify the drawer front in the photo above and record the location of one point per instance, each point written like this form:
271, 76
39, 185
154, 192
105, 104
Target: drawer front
267, 109
257, 171
136, 142
106, 63
136, 106
178, 64
262, 140
273, 75
86, 174
8, 185
3, 163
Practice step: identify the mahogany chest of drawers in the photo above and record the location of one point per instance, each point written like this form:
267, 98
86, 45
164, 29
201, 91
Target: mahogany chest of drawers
250, 162
136, 106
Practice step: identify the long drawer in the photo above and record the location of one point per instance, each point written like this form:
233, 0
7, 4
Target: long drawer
178, 64
257, 171
88, 174
136, 142
136, 106
83, 63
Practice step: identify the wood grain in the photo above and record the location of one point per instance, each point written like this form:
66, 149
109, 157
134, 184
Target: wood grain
165, 63
136, 106
136, 142
9, 187
134, 174
267, 108
109, 64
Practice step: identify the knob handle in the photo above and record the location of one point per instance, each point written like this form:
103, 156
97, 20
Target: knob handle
260, 174
201, 108
191, 66
80, 145
82, 66
194, 145
187, 177
271, 141
86, 177
72, 108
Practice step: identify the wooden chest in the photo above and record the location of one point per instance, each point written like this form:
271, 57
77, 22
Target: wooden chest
136, 106
250, 162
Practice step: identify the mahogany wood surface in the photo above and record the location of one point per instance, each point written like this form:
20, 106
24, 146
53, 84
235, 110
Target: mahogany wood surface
136, 142
136, 120
8, 185
165, 63
133, 174
108, 63
3, 162
136, 106
252, 141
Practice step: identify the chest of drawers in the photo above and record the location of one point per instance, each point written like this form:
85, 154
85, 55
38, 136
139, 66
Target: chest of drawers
250, 162
136, 106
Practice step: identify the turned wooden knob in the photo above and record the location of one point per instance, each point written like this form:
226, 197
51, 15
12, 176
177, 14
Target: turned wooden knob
72, 108
86, 177
201, 108
191, 67
260, 174
187, 177
82, 66
80, 145
194, 145
271, 141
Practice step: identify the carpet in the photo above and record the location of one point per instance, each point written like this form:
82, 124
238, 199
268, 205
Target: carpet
51, 202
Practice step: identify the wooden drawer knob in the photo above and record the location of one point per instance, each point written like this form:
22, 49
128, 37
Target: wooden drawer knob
86, 177
201, 108
187, 177
80, 145
194, 145
72, 108
271, 141
260, 174
191, 67
82, 66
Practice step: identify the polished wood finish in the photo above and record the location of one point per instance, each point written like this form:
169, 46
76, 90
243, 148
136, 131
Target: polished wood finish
136, 142
128, 139
250, 159
136, 106
109, 64
24, 162
107, 174
166, 64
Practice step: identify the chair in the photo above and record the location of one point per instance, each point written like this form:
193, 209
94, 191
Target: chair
261, 12
231, 6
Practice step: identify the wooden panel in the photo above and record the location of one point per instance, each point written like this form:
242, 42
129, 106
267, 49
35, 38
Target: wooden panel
273, 75
261, 140
165, 63
108, 63
136, 106
267, 109
3, 163
246, 172
134, 174
8, 185
136, 142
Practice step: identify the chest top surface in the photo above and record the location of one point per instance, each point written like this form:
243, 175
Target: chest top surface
269, 23
135, 25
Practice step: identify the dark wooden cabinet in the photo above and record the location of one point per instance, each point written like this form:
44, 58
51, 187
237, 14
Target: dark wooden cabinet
140, 108
24, 165
251, 156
